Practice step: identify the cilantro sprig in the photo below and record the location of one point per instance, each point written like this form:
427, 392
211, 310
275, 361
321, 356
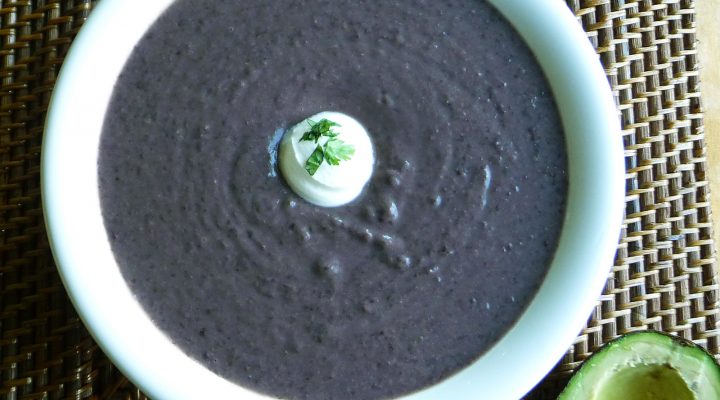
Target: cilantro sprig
333, 151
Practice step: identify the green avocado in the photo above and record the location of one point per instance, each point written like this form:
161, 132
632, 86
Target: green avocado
646, 366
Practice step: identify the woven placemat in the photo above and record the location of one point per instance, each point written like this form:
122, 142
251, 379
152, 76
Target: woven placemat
664, 275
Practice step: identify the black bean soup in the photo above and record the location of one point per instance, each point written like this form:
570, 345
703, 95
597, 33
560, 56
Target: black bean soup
399, 289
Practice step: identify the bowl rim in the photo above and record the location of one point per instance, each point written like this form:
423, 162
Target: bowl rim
126, 334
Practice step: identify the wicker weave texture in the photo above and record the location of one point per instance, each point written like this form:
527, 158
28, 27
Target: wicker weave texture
664, 276
45, 352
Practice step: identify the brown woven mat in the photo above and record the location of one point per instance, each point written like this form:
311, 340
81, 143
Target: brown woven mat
664, 272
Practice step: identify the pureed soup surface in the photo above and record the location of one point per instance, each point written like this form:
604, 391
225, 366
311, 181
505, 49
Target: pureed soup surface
404, 286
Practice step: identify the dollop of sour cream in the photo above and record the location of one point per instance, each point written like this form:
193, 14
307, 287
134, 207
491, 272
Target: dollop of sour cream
331, 185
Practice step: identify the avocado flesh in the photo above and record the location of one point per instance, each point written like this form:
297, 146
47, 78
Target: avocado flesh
644, 366
645, 382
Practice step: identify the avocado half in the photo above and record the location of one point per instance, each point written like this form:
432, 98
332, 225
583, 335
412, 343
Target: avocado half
646, 365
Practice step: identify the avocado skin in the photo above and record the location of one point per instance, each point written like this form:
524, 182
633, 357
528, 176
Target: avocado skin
646, 365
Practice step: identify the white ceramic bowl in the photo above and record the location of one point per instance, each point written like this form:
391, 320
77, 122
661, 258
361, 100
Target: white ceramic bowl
507, 371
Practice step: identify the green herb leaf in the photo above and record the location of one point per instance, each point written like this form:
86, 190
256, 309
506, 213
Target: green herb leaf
310, 137
313, 162
334, 150
325, 125
319, 129
337, 150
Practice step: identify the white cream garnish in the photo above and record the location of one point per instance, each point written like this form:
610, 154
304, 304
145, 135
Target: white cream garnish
331, 185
